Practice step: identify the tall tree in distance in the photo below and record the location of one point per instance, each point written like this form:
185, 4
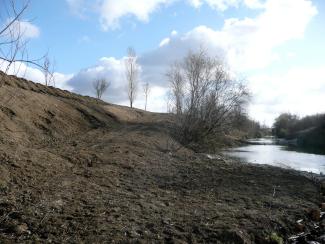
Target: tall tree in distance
131, 72
146, 91
100, 87
48, 71
177, 87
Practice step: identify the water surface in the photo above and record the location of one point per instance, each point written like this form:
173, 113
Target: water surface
266, 152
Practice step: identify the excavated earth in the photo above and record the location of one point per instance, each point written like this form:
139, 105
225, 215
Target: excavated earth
74, 169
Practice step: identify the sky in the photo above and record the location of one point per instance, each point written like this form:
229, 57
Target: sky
276, 45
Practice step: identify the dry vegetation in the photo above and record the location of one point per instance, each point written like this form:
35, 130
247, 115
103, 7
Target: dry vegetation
207, 100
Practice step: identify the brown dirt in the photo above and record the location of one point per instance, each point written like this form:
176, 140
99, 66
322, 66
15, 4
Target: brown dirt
76, 170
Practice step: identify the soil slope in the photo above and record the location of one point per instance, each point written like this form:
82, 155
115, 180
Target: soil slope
74, 169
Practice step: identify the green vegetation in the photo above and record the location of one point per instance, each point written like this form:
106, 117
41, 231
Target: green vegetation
275, 238
309, 131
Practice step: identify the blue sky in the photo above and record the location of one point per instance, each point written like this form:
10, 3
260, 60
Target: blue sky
65, 33
278, 45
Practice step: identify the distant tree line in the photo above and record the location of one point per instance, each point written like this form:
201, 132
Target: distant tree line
288, 125
309, 130
250, 128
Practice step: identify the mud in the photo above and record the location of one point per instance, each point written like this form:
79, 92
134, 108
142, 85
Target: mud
77, 170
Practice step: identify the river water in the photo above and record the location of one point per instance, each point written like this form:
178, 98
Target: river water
267, 152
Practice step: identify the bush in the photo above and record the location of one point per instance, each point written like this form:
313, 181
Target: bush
205, 98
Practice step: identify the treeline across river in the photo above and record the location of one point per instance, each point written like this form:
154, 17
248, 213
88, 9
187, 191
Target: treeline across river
307, 132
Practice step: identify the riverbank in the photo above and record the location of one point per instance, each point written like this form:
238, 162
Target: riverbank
140, 194
74, 170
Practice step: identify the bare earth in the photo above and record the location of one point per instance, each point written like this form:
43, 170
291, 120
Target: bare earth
77, 170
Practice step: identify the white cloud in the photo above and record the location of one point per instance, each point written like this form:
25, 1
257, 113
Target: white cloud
114, 71
254, 4
23, 29
61, 81
109, 68
299, 91
174, 33
164, 42
112, 11
195, 3
156, 99
221, 5
249, 43
29, 30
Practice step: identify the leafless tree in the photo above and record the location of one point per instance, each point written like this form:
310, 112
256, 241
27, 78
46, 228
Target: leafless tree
176, 82
48, 71
100, 86
132, 72
206, 97
146, 91
13, 51
169, 103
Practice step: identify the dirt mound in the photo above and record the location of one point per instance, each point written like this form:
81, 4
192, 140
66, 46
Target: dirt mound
74, 169
32, 113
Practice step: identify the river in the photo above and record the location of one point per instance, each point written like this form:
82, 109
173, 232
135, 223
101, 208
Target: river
267, 152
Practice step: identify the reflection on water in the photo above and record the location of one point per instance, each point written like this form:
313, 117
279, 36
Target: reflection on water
268, 153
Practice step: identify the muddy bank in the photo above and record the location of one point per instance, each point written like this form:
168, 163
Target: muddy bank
128, 188
73, 170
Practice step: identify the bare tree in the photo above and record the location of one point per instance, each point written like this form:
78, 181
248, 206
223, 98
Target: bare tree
205, 96
132, 72
169, 103
48, 71
13, 51
146, 91
176, 82
100, 86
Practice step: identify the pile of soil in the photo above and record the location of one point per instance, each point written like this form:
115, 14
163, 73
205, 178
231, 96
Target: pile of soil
74, 169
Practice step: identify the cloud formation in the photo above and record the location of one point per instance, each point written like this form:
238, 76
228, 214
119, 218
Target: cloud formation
28, 30
299, 91
111, 11
22, 29
249, 43
220, 5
